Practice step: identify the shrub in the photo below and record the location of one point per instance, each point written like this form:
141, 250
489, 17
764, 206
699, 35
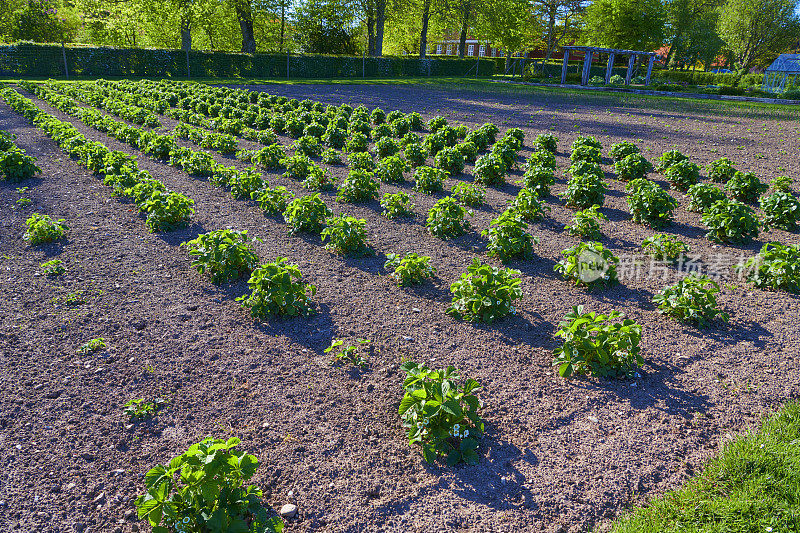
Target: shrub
693, 299
210, 495
270, 157
440, 414
306, 214
528, 205
663, 247
223, 254
469, 151
307, 145
361, 161
167, 211
276, 289
584, 191
358, 143
450, 160
386, 146
546, 141
595, 345
623, 149
702, 196
43, 229
588, 264
358, 186
586, 223
273, 200
584, 140
16, 166
538, 180
446, 218
485, 293
412, 269
390, 169
347, 236
782, 183
331, 156
745, 187
669, 158
490, 171
397, 205
631, 167
730, 221
616, 79
650, 204
508, 238
781, 210
429, 180
415, 154
721, 170
469, 194
682, 174
777, 267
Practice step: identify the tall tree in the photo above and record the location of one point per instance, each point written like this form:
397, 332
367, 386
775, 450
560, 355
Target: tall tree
244, 14
509, 24
561, 20
757, 30
326, 27
627, 24
682, 16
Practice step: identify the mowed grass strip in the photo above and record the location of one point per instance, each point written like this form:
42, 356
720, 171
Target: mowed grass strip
752, 486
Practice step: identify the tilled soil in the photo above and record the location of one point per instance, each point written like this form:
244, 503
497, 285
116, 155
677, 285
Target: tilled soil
558, 454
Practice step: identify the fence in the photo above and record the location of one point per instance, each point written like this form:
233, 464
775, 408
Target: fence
46, 60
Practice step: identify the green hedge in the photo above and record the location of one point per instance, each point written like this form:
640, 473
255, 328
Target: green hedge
45, 60
705, 78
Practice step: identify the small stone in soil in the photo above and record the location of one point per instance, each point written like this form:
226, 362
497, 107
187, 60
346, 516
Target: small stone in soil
289, 510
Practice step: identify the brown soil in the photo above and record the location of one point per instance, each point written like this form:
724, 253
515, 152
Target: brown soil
557, 455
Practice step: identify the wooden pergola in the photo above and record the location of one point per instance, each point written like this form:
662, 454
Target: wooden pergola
589, 52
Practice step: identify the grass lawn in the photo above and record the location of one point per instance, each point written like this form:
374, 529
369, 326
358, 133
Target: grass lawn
752, 486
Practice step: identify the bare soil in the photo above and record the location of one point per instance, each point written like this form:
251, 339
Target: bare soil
558, 455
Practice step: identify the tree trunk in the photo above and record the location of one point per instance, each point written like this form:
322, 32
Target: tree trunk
245, 16
370, 33
551, 32
186, 34
283, 24
672, 47
423, 38
462, 41
380, 21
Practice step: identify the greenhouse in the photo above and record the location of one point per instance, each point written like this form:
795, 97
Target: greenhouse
782, 73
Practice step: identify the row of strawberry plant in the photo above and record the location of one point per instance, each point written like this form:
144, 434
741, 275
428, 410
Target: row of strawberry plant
15, 164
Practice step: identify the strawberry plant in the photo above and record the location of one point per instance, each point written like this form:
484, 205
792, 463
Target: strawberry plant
693, 300
92, 346
781, 210
43, 229
140, 409
586, 168
469, 151
776, 267
429, 180
276, 290
330, 156
469, 194
319, 179
381, 131
358, 142
167, 211
682, 174
505, 150
721, 170
541, 158
538, 180
434, 143
446, 218
243, 184
485, 293
595, 345
335, 137
307, 145
297, 167
782, 183
584, 191
306, 214
586, 223
358, 186
508, 238
273, 200
730, 221
631, 167
663, 247
203, 490
668, 159
386, 146
397, 205
315, 129
585, 140
478, 138
16, 165
411, 269
649, 203
546, 141
590, 154
198, 164
440, 414
54, 267
490, 131
400, 126
347, 236
527, 205
437, 123
490, 171
622, 150
745, 187
517, 134
361, 161
270, 157
588, 264
702, 196
224, 254
390, 169
450, 160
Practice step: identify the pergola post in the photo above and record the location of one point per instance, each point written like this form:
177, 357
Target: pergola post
649, 70
587, 65
629, 74
610, 67
564, 67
